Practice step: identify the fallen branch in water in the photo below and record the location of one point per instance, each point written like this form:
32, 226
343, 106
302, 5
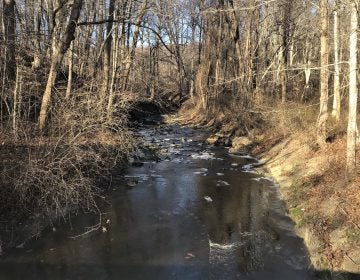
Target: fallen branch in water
90, 229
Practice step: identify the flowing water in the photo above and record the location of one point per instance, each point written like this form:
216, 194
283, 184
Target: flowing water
198, 213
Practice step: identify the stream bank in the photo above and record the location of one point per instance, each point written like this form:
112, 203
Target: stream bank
320, 199
195, 212
317, 193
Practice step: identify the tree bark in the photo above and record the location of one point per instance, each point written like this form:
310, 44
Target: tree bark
192, 65
70, 72
15, 104
107, 53
37, 41
115, 57
336, 101
324, 72
9, 24
59, 48
131, 54
353, 91
285, 51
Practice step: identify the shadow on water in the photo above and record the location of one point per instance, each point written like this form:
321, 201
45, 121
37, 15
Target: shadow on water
330, 275
133, 272
199, 213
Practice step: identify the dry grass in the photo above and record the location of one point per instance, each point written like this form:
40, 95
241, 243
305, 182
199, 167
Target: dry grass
324, 199
228, 116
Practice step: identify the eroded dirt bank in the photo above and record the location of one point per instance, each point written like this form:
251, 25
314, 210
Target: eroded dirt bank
321, 200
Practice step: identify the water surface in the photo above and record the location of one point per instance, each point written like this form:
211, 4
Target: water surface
198, 213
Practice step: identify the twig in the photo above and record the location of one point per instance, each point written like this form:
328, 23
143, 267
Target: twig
93, 228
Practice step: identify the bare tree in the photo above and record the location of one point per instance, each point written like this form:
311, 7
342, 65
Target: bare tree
353, 90
324, 71
9, 25
130, 57
336, 101
285, 49
60, 44
70, 71
107, 52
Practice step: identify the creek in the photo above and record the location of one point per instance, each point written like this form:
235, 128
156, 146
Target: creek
197, 212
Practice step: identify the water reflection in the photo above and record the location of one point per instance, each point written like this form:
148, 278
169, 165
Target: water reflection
163, 228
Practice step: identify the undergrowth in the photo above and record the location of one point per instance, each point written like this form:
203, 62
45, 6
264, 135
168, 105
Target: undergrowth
59, 172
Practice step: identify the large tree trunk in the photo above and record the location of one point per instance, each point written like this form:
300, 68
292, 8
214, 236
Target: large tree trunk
59, 48
38, 6
115, 58
107, 53
324, 72
17, 93
353, 91
286, 31
192, 65
9, 25
283, 75
336, 101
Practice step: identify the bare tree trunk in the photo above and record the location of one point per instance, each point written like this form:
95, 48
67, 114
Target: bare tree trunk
115, 57
99, 34
324, 72
91, 32
283, 75
131, 55
9, 24
192, 66
353, 91
307, 69
291, 53
58, 51
49, 5
255, 48
200, 42
107, 53
70, 72
154, 69
37, 23
15, 105
286, 31
247, 70
336, 102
